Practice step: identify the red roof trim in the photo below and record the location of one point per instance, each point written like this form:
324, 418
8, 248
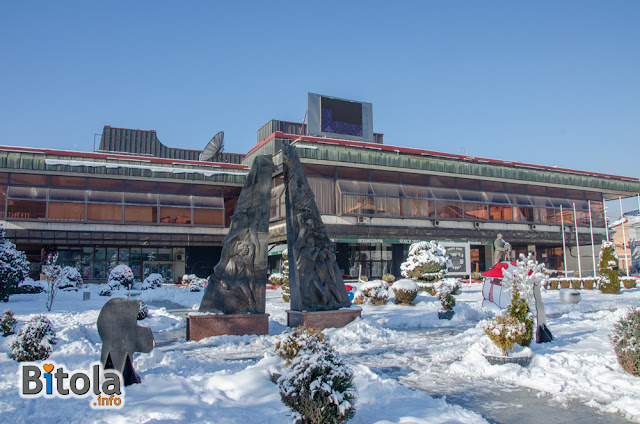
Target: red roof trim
108, 156
413, 151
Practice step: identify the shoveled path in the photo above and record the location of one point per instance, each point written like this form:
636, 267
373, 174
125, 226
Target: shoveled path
497, 402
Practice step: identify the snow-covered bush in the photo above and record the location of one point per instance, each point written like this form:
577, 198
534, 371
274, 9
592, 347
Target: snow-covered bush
444, 291
104, 290
626, 341
14, 267
197, 285
153, 281
28, 286
143, 311
426, 287
119, 277
609, 266
69, 279
8, 322
405, 290
476, 276
363, 278
376, 291
358, 298
299, 339
34, 340
317, 386
515, 327
427, 260
276, 278
286, 295
628, 282
389, 278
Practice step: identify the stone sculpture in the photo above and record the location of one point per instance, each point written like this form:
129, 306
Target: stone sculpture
316, 280
237, 284
501, 250
122, 337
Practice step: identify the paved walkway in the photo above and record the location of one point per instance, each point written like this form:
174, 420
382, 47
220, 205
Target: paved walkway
497, 402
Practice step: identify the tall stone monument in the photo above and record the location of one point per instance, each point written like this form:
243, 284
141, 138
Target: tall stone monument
235, 296
318, 295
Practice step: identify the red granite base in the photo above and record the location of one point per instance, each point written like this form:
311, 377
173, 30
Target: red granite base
323, 319
202, 326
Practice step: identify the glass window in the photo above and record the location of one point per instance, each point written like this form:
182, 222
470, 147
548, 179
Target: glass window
28, 193
104, 196
141, 198
4, 177
523, 214
544, 215
277, 202
175, 215
492, 186
520, 200
419, 192
61, 181
472, 196
103, 212
474, 211
99, 270
206, 190
136, 254
385, 176
499, 213
567, 216
514, 188
353, 173
438, 181
324, 190
146, 186
150, 254
174, 200
164, 254
66, 211
105, 183
468, 184
3, 200
64, 194
597, 214
26, 209
29, 179
141, 214
173, 188
497, 198
387, 190
540, 201
358, 204
355, 187
208, 216
100, 254
421, 208
319, 170
416, 179
445, 194
388, 205
210, 202
561, 202
449, 210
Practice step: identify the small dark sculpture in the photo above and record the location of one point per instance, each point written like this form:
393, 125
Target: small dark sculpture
122, 337
316, 280
237, 284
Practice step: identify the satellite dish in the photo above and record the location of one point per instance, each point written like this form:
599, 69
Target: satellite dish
214, 147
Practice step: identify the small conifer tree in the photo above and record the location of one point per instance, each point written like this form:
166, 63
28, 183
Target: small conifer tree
14, 267
8, 322
626, 341
34, 340
609, 267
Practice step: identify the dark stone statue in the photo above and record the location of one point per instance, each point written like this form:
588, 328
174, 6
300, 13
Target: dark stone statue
237, 284
122, 337
315, 281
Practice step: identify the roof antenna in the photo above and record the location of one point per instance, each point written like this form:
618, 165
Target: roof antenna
303, 121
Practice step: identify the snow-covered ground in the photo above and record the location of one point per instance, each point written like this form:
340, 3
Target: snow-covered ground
398, 355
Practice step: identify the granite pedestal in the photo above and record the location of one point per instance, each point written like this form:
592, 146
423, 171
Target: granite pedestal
208, 325
323, 319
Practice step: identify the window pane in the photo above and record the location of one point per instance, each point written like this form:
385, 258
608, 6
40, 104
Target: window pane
544, 215
26, 209
468, 184
141, 214
416, 179
141, 198
173, 188
208, 216
492, 186
104, 196
561, 202
385, 176
210, 202
277, 202
475, 211
105, 183
102, 212
68, 181
567, 216
3, 200
438, 181
419, 192
164, 254
540, 201
63, 194
388, 205
136, 254
4, 177
421, 208
28, 179
353, 173
593, 196
355, 187
452, 210
523, 214
497, 198
324, 190
472, 196
146, 186
174, 200
67, 211
28, 192
123, 254
520, 200
597, 214
358, 204
206, 190
499, 213
387, 190
445, 194
175, 215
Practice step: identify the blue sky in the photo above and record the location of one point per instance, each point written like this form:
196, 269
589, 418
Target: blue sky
547, 82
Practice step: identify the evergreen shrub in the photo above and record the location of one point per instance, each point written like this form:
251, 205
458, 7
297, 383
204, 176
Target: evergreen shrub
626, 341
34, 340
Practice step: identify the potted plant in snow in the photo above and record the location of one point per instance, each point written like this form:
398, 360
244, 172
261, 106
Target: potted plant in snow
444, 291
